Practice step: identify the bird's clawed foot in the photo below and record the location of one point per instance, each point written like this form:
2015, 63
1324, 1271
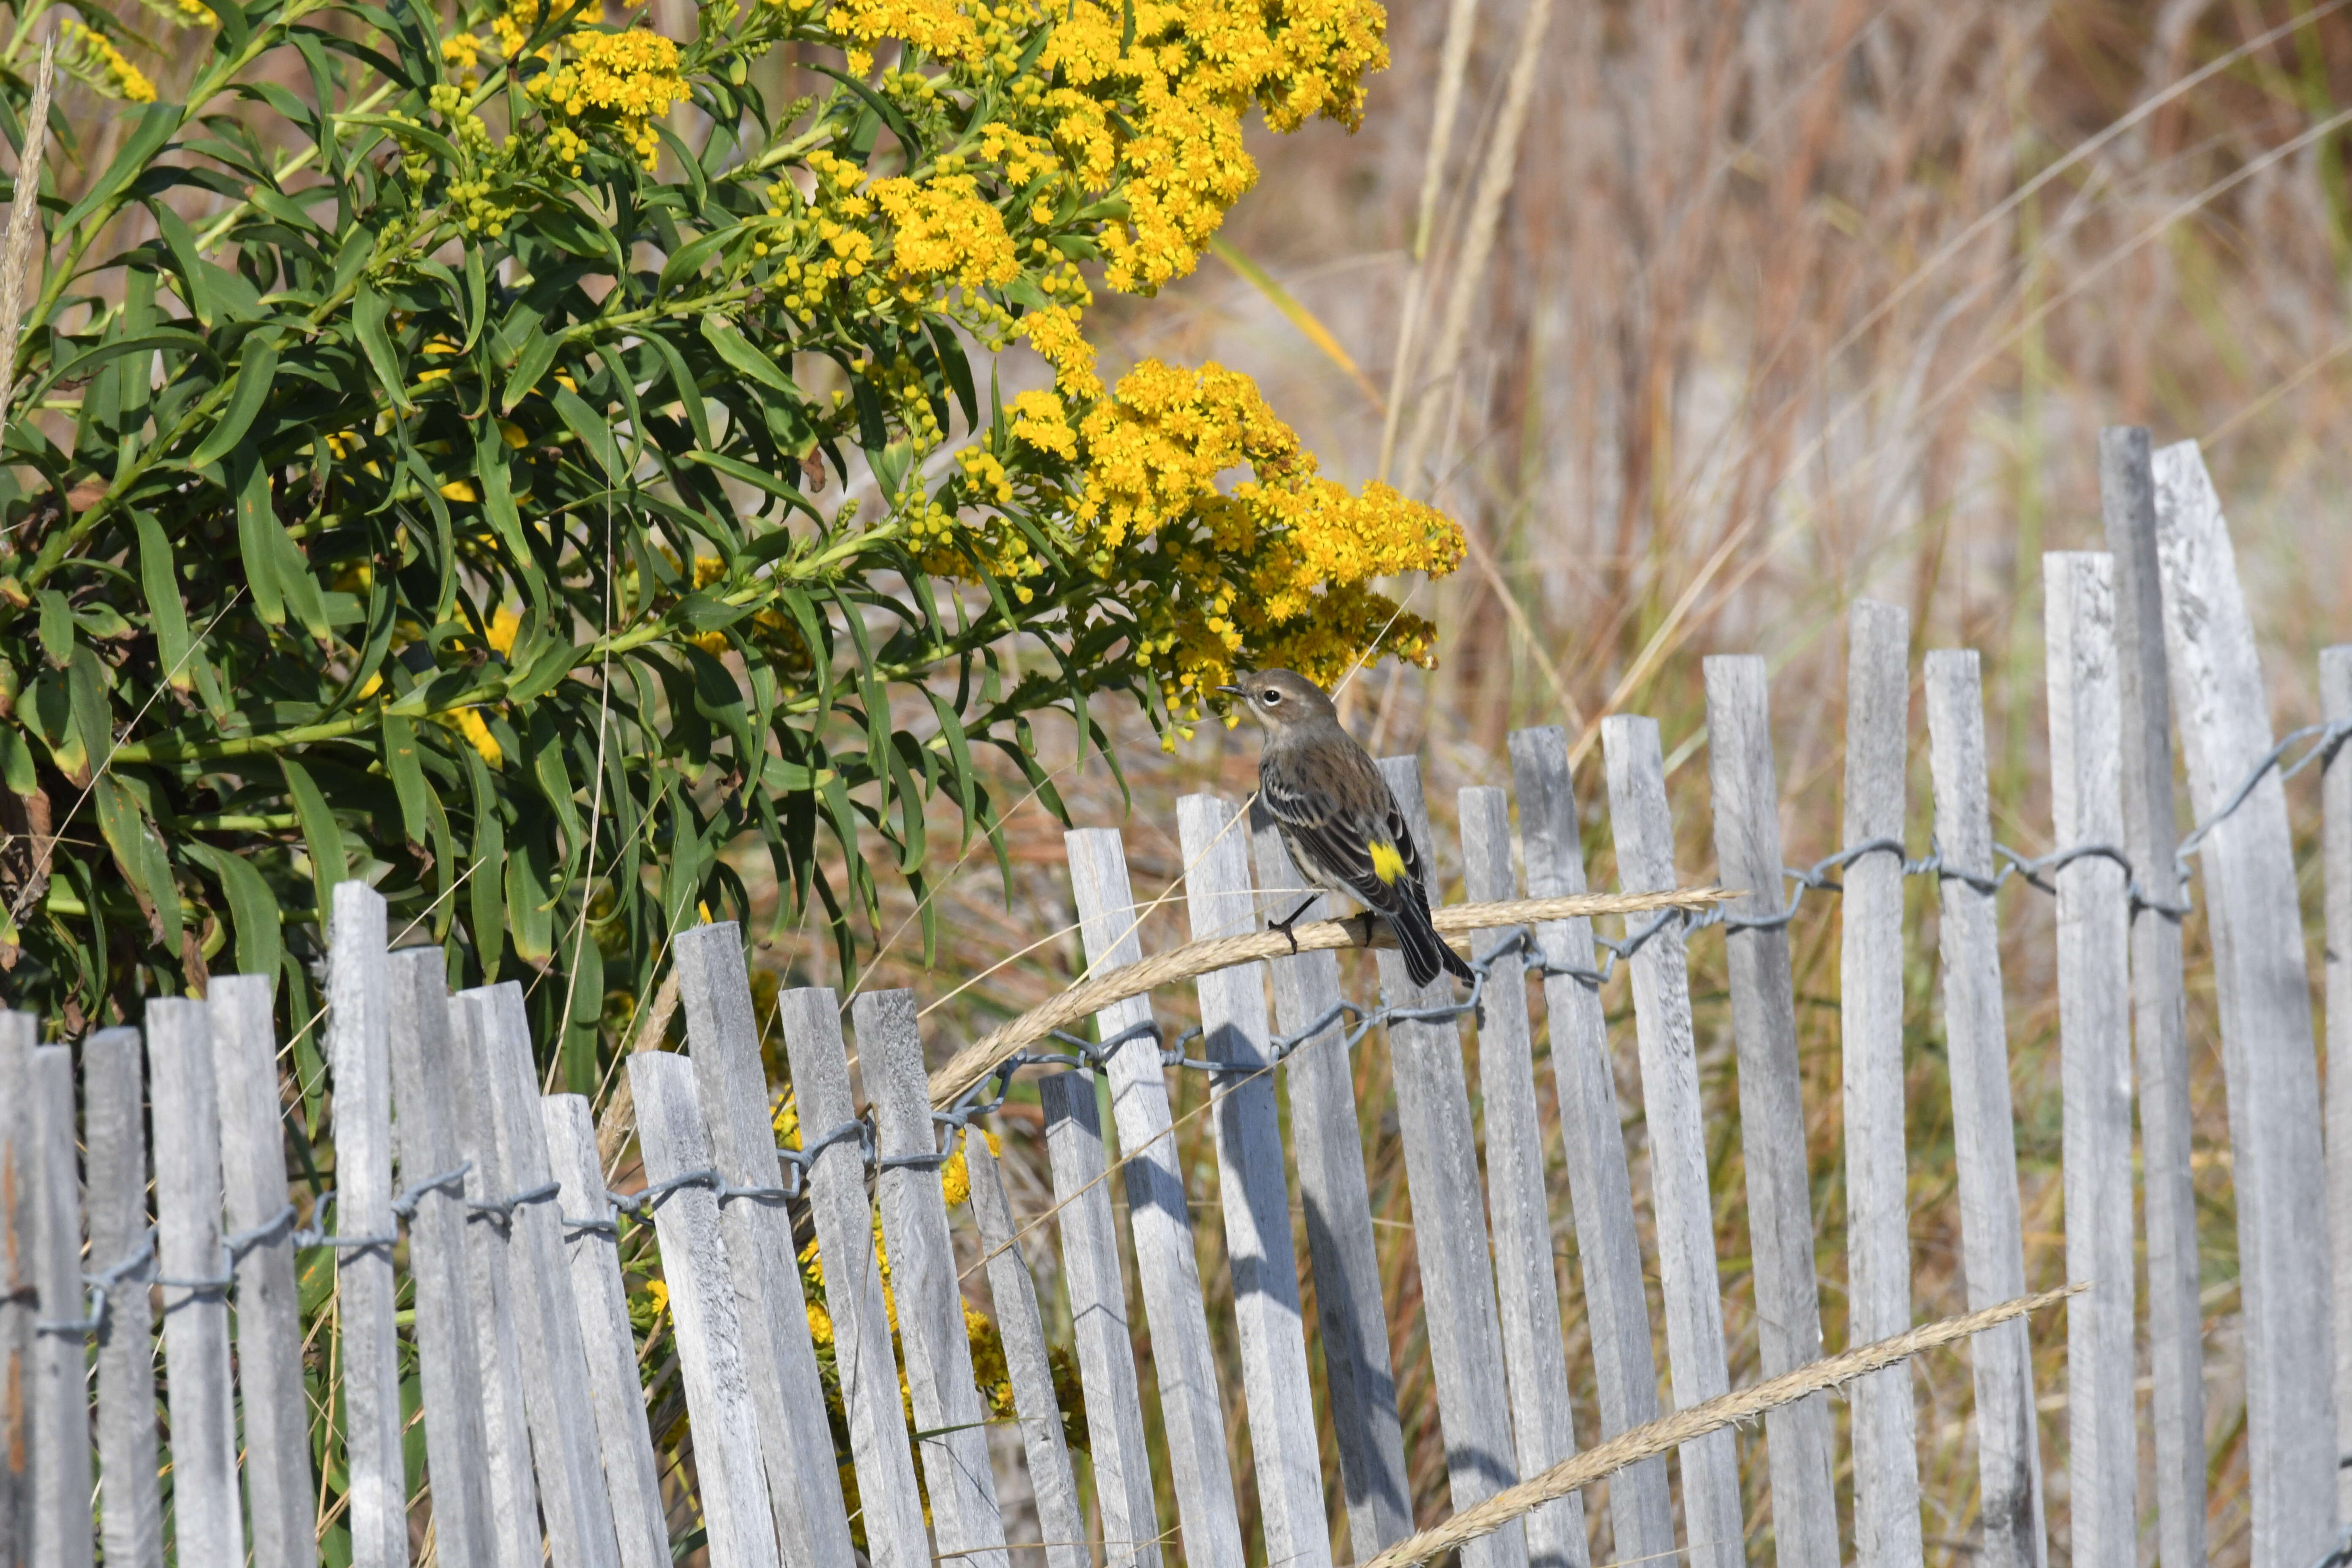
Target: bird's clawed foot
1283, 925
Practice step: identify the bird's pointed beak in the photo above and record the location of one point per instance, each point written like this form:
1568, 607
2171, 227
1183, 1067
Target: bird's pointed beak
1231, 690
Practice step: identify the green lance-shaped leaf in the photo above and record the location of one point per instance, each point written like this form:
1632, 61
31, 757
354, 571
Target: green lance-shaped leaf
485, 877
400, 760
256, 373
321, 836
57, 627
738, 351
594, 431
369, 309
166, 615
16, 761
529, 869
141, 859
253, 908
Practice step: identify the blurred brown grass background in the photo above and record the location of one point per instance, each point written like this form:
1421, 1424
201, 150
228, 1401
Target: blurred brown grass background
1785, 303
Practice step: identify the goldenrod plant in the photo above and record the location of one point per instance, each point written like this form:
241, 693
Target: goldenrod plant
507, 456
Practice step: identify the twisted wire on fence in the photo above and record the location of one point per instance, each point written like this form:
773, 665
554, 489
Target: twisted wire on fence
965, 1083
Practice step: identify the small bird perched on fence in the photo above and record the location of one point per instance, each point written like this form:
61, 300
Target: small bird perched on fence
1338, 819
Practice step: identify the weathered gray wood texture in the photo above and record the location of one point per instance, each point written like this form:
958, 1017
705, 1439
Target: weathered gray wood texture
1159, 1212
762, 1252
572, 1501
1518, 1202
1879, 1217
1099, 1320
853, 1283
2094, 1050
369, 1357
282, 1505
449, 1355
19, 1297
966, 1524
114, 1128
1449, 1222
631, 1481
1327, 1148
2176, 1318
506, 1405
1600, 1186
1644, 831
1797, 1438
702, 1309
2268, 1052
2336, 853
60, 1392
1984, 1135
1028, 1365
1254, 1188
207, 1505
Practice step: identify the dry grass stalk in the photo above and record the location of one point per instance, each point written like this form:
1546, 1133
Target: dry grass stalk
971, 1064
23, 227
1478, 241
1461, 24
1671, 1432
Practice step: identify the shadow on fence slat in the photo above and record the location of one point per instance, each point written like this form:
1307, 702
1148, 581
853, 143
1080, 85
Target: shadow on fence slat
536, 1435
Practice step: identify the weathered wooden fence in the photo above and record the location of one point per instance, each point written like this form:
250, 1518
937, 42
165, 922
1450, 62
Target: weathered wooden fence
451, 1167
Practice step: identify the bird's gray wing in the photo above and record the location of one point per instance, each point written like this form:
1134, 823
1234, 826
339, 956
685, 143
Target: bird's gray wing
1352, 828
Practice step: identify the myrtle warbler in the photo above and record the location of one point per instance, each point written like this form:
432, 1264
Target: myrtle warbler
1338, 819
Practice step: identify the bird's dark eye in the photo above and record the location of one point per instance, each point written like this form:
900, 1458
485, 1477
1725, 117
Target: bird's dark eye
1270, 696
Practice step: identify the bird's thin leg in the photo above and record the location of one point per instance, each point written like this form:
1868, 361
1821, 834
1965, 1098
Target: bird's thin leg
1283, 925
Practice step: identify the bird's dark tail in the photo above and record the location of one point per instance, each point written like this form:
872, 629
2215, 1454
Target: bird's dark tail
1425, 953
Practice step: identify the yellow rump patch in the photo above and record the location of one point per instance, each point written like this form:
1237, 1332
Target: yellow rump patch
1388, 865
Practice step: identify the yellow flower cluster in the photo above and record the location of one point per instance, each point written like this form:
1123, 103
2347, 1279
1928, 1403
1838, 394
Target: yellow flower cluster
1155, 448
948, 236
92, 57
1191, 68
1278, 567
632, 75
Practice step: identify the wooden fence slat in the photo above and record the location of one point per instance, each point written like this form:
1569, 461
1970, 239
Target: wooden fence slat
1797, 1438
2268, 1052
284, 1513
114, 1122
2176, 1317
60, 1390
1098, 1321
368, 1358
2094, 1049
632, 1480
1327, 1148
207, 1512
965, 1521
508, 1417
1984, 1137
1062, 1524
18, 1294
573, 1502
722, 1039
1870, 1008
702, 1314
1600, 1186
2335, 854
1688, 1276
1254, 1188
1519, 1201
472, 1485
852, 1282
1159, 1214
1449, 1222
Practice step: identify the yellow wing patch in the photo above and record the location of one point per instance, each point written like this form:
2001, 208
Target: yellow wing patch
1388, 864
